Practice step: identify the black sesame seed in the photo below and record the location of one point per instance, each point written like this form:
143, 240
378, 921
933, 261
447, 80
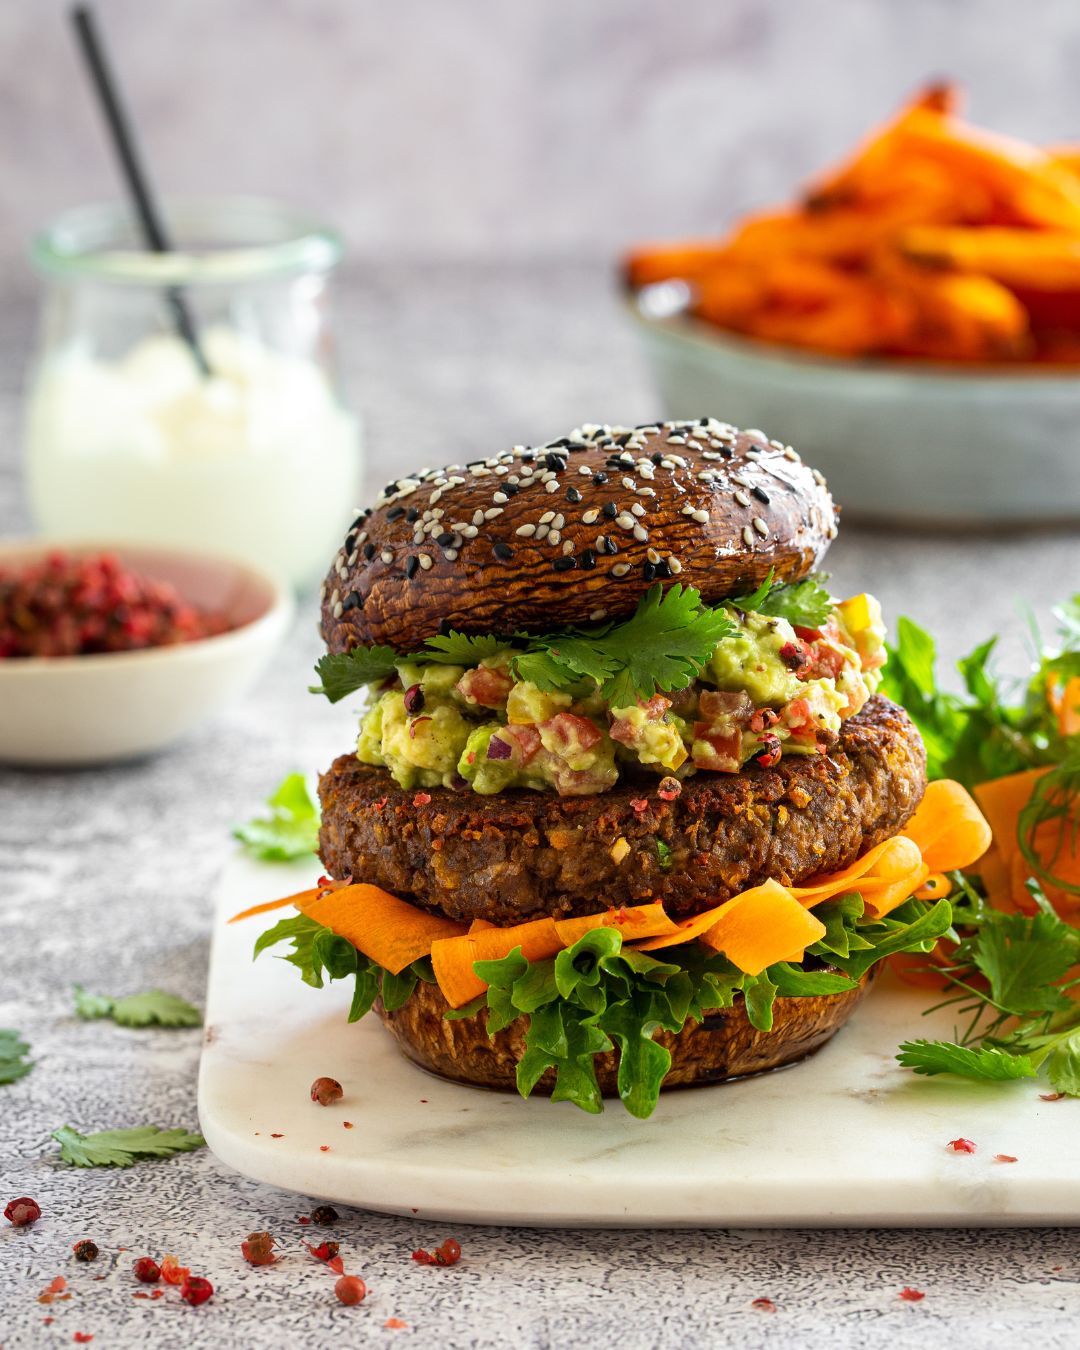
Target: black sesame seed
663, 569
566, 564
588, 560
556, 463
623, 439
657, 458
760, 494
559, 444
610, 510
503, 552
389, 489
727, 452
649, 571
412, 515
445, 540
530, 458
357, 523
411, 564
354, 600
445, 627
365, 513
573, 495
511, 489
608, 546
599, 479
369, 551
576, 446
395, 513
703, 421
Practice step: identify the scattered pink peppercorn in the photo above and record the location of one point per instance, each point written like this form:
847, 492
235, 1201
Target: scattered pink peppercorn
22, 1211
447, 1254
324, 1214
910, 1295
350, 1290
763, 1305
196, 1290
961, 1146
147, 1270
258, 1249
85, 1250
326, 1091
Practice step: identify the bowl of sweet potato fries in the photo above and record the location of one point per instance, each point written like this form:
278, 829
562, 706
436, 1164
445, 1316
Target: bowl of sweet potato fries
912, 322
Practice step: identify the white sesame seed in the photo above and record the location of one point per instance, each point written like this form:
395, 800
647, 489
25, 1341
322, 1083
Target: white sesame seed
343, 573
554, 537
500, 469
477, 516
760, 526
418, 535
541, 532
748, 536
777, 445
525, 531
600, 540
637, 509
742, 482
547, 517
500, 497
756, 435
590, 517
568, 546
480, 471
335, 596
686, 510
585, 471
791, 453
353, 557
552, 485
620, 569
386, 556
646, 492
438, 513
646, 471
711, 454
652, 555
819, 477
361, 538
425, 562
743, 498
629, 484
458, 526
702, 517
469, 531
559, 521
492, 512
450, 555
667, 463
338, 611
641, 534
674, 564
676, 440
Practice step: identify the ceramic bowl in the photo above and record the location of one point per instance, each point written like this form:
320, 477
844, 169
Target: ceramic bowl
80, 710
904, 442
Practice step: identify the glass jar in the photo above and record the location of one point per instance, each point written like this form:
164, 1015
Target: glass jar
238, 442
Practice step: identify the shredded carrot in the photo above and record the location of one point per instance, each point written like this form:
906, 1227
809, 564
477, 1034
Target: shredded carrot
452, 957
387, 930
1002, 800
1069, 712
948, 827
298, 900
640, 921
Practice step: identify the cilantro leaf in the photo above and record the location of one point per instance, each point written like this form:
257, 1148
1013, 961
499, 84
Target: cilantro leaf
343, 673
663, 854
1063, 1066
663, 646
123, 1148
1023, 958
153, 1008
13, 1052
985, 1062
292, 828
805, 603
459, 649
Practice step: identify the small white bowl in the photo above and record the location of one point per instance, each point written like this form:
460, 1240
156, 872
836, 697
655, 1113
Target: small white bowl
79, 710
900, 441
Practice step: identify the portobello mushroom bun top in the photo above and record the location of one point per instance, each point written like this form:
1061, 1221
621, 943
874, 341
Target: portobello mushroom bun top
616, 603
574, 532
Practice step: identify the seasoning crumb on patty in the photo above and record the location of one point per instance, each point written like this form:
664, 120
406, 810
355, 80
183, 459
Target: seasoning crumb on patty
522, 854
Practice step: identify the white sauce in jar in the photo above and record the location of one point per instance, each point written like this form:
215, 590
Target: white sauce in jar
259, 460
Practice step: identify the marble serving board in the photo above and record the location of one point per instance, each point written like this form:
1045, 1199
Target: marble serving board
844, 1138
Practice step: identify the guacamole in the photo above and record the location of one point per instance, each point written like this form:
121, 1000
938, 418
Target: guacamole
769, 689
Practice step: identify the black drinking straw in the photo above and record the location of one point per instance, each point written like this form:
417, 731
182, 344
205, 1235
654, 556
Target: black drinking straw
135, 176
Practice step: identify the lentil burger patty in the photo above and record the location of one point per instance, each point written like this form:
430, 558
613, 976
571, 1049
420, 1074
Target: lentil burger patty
522, 854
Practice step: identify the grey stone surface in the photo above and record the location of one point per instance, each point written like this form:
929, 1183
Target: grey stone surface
474, 128
106, 878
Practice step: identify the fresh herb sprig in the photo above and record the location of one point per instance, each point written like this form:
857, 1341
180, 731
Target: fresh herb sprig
292, 828
13, 1056
153, 1008
123, 1148
663, 646
1010, 977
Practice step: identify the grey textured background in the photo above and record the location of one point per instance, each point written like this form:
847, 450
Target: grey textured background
481, 128
456, 144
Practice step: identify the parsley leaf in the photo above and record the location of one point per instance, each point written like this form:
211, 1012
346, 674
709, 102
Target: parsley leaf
123, 1148
663, 854
13, 1052
343, 673
292, 828
805, 603
153, 1008
985, 1062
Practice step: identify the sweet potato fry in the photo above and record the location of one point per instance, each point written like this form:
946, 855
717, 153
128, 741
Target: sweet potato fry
1045, 260
661, 262
865, 170
958, 316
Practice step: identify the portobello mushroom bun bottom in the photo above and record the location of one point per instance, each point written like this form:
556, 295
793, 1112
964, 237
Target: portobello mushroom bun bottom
626, 809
